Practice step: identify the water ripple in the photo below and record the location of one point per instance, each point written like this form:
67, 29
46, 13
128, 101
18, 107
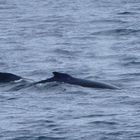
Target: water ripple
96, 40
118, 32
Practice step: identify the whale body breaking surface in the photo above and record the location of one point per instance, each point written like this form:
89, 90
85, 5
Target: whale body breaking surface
59, 77
66, 78
8, 77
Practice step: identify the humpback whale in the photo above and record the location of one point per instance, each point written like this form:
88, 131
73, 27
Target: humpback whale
66, 78
8, 77
57, 77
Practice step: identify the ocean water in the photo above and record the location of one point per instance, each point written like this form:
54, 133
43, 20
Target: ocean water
89, 39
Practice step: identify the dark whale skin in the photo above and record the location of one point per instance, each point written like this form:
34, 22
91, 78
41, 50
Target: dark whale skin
8, 77
63, 77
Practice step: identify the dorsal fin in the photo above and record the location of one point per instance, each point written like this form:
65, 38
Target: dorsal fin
60, 75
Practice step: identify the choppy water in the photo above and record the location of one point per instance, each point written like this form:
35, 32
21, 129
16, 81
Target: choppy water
86, 38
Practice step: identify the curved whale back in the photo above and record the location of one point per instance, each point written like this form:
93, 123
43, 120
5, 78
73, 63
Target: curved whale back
92, 84
66, 78
8, 77
61, 76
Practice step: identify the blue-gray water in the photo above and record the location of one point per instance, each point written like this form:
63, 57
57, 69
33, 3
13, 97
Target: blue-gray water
90, 39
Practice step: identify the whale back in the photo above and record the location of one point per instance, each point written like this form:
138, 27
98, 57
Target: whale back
66, 78
61, 76
7, 77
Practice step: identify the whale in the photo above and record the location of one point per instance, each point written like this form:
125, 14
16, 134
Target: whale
57, 77
8, 77
66, 78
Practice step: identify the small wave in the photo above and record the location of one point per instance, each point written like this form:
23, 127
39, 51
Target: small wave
3, 98
23, 138
104, 123
13, 98
126, 13
7, 7
131, 102
106, 21
117, 32
95, 115
62, 51
132, 63
66, 52
50, 138
130, 74
38, 138
124, 134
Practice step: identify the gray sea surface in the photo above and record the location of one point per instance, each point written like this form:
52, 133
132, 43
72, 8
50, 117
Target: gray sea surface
89, 39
